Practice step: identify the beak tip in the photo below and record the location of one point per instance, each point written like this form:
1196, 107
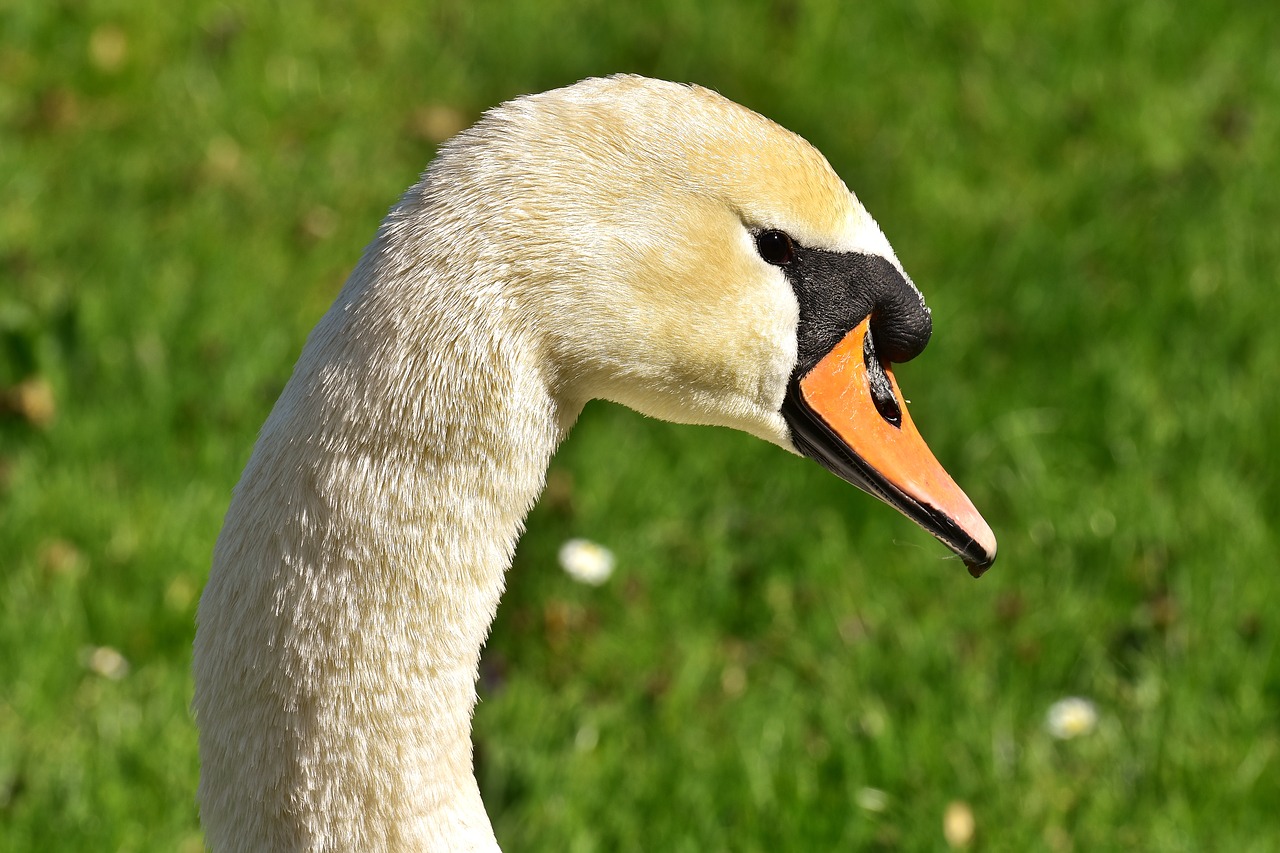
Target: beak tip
978, 567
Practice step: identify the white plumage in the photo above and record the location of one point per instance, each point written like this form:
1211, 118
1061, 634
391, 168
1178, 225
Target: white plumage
590, 242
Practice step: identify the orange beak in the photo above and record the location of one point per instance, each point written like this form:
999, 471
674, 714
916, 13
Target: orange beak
848, 414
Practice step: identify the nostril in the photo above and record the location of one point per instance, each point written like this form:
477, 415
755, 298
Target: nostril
882, 395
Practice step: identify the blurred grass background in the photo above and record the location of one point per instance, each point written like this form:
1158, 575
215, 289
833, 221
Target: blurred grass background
1087, 192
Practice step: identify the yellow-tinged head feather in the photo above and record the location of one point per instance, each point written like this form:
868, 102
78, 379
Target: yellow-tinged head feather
621, 212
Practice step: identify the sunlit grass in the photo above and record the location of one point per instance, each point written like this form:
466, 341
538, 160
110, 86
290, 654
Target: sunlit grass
1087, 193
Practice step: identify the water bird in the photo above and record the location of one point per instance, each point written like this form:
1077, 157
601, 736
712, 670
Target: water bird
626, 239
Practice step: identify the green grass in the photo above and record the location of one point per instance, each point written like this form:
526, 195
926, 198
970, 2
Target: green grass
1088, 193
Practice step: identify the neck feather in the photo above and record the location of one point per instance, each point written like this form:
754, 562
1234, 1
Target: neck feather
357, 575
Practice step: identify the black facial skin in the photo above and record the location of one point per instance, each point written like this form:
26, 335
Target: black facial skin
836, 291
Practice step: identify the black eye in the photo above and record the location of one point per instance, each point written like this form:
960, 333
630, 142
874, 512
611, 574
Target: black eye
775, 247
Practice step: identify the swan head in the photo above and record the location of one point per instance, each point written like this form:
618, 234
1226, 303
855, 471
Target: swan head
684, 256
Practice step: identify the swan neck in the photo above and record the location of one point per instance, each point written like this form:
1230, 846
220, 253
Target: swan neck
356, 578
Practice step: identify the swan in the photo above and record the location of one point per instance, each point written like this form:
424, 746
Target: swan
645, 242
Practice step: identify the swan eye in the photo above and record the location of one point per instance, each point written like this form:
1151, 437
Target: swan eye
775, 247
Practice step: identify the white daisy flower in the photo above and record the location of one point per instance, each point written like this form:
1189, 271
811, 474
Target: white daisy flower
586, 562
105, 661
1071, 717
